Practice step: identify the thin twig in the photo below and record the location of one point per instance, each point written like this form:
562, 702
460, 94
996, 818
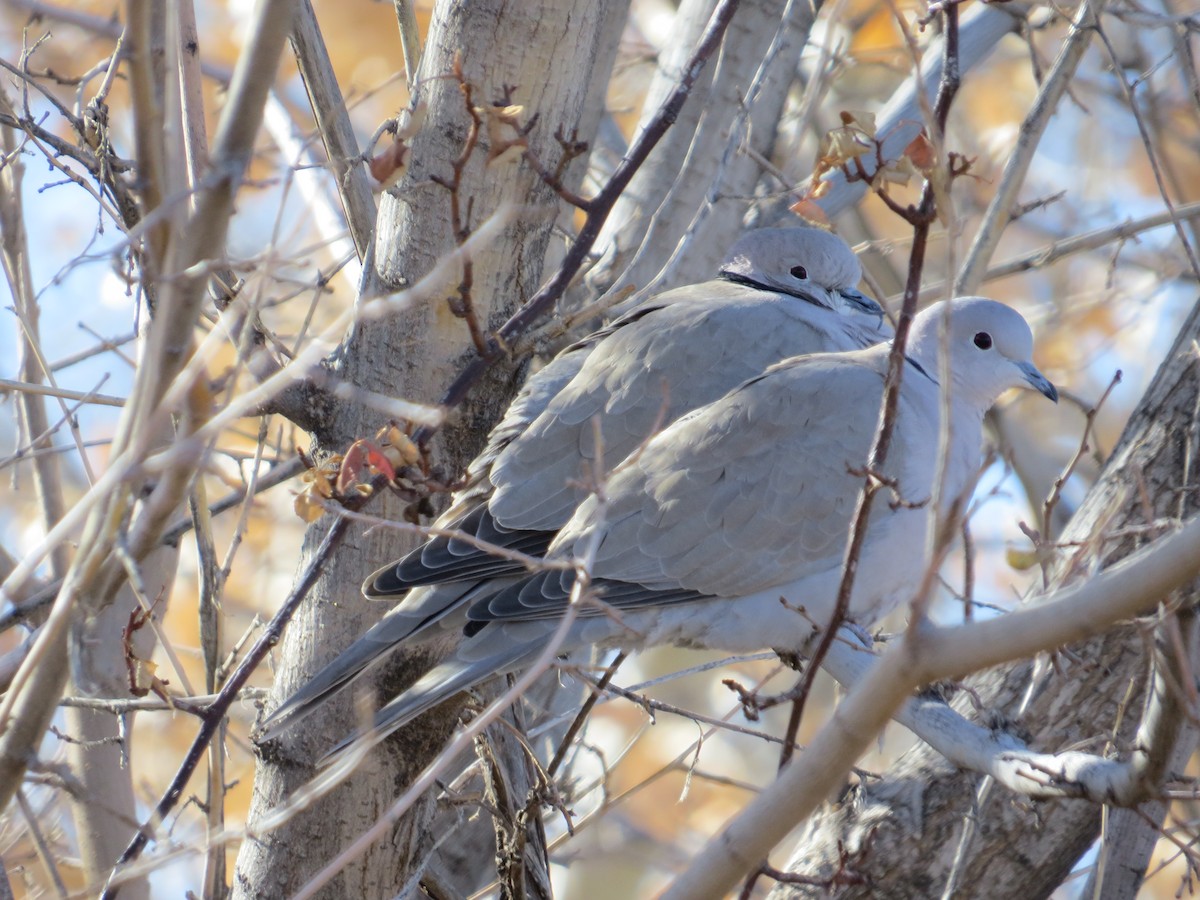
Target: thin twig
410, 43
1148, 144
461, 305
1088, 429
921, 217
28, 705
215, 713
42, 390
999, 210
334, 125
41, 845
577, 723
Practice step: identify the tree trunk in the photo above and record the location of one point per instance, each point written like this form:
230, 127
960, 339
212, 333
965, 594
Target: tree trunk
551, 54
909, 825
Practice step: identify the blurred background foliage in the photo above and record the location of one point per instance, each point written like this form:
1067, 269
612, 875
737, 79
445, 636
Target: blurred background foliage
664, 782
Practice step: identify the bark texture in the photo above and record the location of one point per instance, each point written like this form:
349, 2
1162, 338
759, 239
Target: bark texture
549, 54
908, 827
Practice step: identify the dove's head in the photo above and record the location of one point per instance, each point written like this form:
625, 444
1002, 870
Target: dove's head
805, 262
990, 344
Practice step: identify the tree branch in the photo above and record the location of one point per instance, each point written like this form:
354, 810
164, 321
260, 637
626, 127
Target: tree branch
37, 686
923, 655
1003, 756
1004, 200
333, 124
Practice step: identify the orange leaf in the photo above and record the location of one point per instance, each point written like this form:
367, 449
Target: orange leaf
920, 151
307, 507
810, 211
388, 167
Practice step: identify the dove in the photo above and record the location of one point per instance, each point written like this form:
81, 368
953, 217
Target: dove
781, 292
727, 530
667, 355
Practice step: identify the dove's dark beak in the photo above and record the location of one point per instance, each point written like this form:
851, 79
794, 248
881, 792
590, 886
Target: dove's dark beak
1038, 381
861, 301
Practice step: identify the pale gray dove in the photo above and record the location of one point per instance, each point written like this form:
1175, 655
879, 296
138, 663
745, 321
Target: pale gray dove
781, 292
727, 531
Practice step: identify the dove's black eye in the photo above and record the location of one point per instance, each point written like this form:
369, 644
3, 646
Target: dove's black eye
983, 341
799, 272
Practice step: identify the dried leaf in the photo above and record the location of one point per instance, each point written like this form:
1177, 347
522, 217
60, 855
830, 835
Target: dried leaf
501, 152
844, 144
416, 118
320, 480
509, 115
810, 211
388, 167
307, 507
859, 120
893, 174
142, 679
398, 446
920, 153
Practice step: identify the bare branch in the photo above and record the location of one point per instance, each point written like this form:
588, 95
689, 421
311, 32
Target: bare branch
41, 390
333, 123
1005, 197
410, 42
29, 703
924, 655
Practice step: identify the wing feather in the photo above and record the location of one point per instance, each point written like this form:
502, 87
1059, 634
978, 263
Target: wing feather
751, 492
701, 342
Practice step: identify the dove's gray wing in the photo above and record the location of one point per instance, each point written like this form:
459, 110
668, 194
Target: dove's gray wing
664, 362
687, 354
532, 399
750, 492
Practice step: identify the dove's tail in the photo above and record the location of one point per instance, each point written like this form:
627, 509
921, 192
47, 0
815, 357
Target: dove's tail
412, 619
440, 683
